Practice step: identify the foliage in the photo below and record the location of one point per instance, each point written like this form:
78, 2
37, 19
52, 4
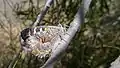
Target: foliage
96, 45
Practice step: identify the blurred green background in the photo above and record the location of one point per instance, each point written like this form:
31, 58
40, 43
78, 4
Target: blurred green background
96, 45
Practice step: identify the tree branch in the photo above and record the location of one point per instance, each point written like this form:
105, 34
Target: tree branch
116, 63
42, 14
63, 44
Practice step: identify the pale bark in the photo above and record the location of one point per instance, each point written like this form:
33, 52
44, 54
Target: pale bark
67, 37
116, 63
42, 14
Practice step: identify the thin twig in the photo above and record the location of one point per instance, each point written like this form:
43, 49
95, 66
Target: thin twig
12, 64
42, 14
